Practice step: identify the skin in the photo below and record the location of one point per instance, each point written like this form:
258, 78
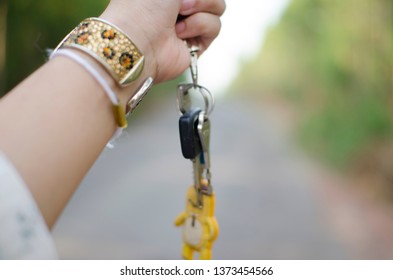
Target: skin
55, 124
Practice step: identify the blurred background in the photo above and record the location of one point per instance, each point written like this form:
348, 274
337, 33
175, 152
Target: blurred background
302, 135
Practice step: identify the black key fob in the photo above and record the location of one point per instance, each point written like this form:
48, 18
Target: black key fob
189, 137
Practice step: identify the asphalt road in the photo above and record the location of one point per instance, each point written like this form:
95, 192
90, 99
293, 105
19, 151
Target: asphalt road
271, 201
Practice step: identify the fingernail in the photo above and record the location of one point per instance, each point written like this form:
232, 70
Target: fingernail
180, 27
187, 5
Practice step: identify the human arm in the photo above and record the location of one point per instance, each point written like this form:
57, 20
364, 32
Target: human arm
54, 125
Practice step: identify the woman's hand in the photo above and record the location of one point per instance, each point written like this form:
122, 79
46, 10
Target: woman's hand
153, 25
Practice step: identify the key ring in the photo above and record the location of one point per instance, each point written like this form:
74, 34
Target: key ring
184, 98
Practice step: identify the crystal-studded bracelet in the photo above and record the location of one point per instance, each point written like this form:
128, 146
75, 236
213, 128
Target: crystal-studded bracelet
110, 46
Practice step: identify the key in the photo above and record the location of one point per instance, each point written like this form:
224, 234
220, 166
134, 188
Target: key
189, 138
198, 171
191, 146
204, 137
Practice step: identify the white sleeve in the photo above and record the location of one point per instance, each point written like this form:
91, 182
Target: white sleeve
23, 232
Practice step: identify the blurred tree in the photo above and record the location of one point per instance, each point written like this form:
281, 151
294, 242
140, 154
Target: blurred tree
334, 60
3, 28
35, 25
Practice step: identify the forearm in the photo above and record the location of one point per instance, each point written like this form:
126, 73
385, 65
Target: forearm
54, 148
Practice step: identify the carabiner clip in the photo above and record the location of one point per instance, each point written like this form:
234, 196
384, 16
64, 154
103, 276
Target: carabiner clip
194, 65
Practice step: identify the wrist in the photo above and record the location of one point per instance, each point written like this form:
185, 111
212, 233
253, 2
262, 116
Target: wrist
139, 37
108, 44
125, 96
106, 47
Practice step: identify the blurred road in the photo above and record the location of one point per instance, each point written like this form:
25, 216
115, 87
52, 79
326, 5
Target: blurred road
272, 202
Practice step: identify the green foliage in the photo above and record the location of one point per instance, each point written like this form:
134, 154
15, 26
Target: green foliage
334, 60
340, 131
34, 26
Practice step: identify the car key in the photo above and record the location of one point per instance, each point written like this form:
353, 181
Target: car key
189, 138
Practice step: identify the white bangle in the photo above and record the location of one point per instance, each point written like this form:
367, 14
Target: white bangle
103, 83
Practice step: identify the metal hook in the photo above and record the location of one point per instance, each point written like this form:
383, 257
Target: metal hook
194, 64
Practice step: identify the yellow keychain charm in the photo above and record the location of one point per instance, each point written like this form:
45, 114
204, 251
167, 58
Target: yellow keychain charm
200, 227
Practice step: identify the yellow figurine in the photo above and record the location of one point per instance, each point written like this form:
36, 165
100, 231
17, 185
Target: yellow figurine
200, 227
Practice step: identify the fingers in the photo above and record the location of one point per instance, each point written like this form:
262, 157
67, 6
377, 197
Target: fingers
200, 28
201, 24
215, 7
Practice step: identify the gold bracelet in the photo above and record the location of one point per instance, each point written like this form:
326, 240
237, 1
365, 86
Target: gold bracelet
110, 46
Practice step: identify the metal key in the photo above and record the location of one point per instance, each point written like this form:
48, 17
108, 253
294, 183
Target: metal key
204, 137
198, 170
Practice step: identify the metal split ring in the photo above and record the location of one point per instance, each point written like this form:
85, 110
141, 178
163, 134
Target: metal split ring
184, 98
